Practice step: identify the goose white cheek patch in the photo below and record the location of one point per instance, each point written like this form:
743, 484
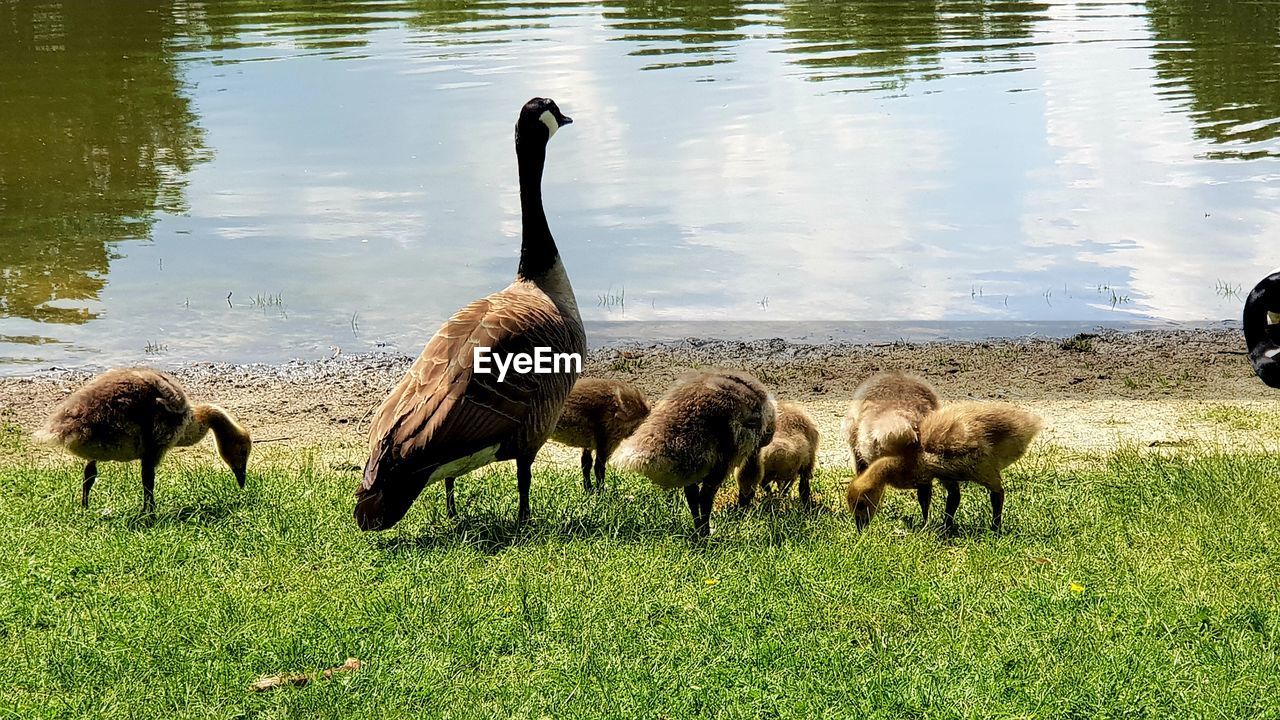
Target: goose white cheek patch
550, 121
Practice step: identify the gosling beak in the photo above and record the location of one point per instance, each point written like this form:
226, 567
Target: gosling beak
240, 477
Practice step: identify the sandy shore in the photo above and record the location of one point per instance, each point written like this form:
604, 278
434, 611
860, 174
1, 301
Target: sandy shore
1153, 388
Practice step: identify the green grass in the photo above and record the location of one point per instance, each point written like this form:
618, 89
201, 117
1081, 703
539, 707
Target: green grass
1130, 585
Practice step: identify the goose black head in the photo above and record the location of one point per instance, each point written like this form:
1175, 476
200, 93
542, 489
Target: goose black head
540, 118
1262, 329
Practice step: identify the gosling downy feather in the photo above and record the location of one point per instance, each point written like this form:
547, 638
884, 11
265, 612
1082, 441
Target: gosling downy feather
884, 416
792, 453
964, 442
139, 414
598, 415
706, 425
444, 419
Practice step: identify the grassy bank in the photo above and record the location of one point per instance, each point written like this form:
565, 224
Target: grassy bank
1124, 585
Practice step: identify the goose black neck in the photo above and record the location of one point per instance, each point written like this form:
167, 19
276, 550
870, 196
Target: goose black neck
538, 253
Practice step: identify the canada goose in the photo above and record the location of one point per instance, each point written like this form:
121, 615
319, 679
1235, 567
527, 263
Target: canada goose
446, 417
598, 415
1262, 329
139, 414
706, 425
965, 442
792, 452
884, 419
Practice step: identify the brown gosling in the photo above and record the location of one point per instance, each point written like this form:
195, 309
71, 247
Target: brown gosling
792, 452
706, 425
598, 415
965, 442
139, 414
884, 420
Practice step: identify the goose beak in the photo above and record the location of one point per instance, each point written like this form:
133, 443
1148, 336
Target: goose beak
240, 477
563, 120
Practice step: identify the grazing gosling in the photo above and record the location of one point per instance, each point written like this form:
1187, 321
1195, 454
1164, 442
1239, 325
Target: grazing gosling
965, 442
792, 452
884, 420
598, 415
139, 414
706, 425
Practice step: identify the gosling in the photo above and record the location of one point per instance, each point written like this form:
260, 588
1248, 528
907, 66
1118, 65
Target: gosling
705, 426
793, 452
884, 420
965, 442
139, 414
598, 415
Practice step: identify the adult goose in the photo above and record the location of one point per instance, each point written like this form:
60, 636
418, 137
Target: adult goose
1262, 329
448, 417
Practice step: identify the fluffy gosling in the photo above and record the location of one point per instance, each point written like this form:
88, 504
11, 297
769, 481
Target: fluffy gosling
139, 414
965, 442
705, 426
598, 415
884, 420
792, 453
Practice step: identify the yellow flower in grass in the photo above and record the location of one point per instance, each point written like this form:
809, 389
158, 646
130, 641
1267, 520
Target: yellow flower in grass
1076, 588
711, 581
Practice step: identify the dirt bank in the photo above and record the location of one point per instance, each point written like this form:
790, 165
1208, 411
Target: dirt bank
1156, 388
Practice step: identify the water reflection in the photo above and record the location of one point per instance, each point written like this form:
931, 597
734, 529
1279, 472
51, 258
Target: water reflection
887, 43
942, 160
96, 136
679, 34
1221, 60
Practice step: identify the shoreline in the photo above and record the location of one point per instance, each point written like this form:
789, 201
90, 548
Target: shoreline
1159, 388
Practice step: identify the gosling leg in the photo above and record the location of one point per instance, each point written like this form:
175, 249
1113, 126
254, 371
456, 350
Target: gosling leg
90, 474
997, 509
603, 451
586, 469
806, 491
953, 503
924, 494
148, 487
710, 486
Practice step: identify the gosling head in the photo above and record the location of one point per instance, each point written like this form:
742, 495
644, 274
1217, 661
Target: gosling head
864, 501
234, 449
540, 118
866, 491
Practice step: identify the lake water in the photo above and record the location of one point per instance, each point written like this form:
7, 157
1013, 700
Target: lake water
256, 181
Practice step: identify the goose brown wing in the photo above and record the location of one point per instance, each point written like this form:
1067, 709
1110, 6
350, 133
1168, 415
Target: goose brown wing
443, 411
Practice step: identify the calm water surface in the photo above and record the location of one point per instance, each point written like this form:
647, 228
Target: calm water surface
257, 181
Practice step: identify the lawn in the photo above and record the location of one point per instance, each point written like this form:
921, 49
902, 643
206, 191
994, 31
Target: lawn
1127, 585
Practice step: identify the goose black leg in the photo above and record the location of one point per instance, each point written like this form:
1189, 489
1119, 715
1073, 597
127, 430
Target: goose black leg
924, 494
90, 474
524, 478
953, 503
586, 469
449, 507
